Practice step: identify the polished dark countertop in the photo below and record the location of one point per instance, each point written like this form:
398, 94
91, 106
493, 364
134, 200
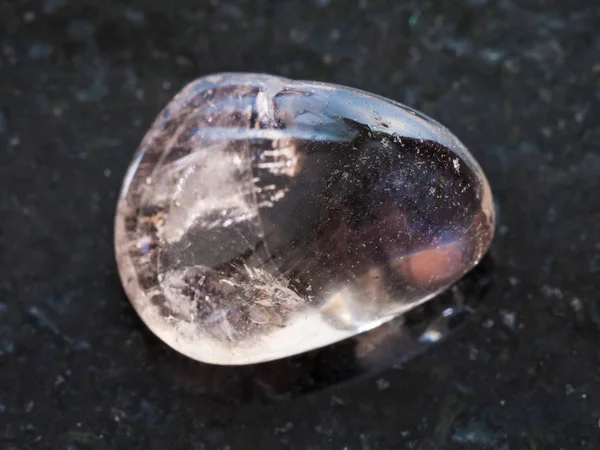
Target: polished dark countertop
81, 81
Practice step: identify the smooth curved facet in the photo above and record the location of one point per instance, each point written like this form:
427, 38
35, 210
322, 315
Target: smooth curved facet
263, 217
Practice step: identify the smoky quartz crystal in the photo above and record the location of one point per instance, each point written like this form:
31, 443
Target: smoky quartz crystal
263, 217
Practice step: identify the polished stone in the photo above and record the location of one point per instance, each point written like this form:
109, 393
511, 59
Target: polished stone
263, 217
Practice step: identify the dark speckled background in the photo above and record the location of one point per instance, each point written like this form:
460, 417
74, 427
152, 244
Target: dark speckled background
517, 80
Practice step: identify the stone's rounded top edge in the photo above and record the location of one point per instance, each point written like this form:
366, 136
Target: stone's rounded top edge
419, 124
379, 113
262, 78
247, 78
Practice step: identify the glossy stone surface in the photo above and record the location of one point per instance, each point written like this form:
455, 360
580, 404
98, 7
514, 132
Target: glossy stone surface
263, 217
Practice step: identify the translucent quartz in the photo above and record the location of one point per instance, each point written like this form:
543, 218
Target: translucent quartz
263, 217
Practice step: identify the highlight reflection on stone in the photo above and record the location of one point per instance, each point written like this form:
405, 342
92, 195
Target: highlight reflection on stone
263, 217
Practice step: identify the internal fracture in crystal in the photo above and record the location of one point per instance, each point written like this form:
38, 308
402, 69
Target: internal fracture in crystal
263, 217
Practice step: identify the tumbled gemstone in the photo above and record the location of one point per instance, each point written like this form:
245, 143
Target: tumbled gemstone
263, 217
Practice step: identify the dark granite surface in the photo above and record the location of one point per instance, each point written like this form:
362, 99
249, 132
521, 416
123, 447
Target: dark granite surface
517, 81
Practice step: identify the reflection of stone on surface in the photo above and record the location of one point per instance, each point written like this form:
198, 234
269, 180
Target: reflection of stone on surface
347, 361
378, 346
